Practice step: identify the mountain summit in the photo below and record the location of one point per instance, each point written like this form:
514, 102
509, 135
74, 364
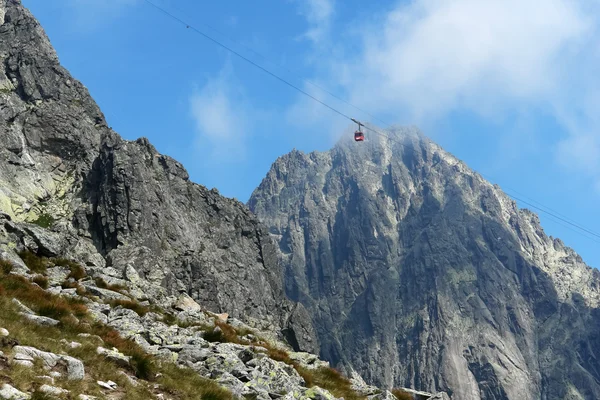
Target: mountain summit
419, 273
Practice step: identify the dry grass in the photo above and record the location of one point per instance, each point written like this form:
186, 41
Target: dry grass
402, 395
181, 384
186, 384
77, 271
5, 267
34, 263
41, 281
132, 305
101, 283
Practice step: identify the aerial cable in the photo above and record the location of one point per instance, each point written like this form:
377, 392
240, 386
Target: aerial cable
189, 26
295, 73
555, 216
245, 58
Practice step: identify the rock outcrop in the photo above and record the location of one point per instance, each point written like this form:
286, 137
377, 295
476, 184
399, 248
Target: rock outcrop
419, 273
72, 187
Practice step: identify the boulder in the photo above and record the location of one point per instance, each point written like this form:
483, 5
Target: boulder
115, 356
75, 368
8, 392
186, 303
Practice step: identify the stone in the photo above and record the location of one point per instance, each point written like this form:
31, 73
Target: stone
115, 356
42, 321
7, 392
22, 307
110, 385
3, 332
49, 244
75, 368
307, 360
52, 390
57, 275
187, 304
105, 293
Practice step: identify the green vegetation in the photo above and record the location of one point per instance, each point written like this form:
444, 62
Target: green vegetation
5, 267
402, 395
44, 220
132, 305
77, 271
34, 263
41, 280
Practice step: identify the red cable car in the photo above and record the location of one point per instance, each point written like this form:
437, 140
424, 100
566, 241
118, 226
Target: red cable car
359, 136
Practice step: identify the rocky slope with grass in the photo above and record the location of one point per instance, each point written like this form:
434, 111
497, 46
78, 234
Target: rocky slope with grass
120, 206
68, 332
420, 273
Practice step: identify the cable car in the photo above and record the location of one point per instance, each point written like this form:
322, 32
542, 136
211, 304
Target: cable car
359, 136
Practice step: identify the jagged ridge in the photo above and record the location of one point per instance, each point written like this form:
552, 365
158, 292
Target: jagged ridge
121, 205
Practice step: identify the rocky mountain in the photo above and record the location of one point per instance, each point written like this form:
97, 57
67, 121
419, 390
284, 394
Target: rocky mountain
417, 272
122, 279
119, 205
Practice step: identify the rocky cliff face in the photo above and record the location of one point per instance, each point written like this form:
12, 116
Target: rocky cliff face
119, 205
419, 273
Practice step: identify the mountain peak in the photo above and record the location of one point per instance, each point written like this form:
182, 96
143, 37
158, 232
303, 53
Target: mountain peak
404, 255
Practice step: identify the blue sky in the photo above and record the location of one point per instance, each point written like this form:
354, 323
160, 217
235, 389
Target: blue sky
508, 86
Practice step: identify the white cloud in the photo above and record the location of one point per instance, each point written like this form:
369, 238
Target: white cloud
422, 60
318, 14
221, 112
433, 56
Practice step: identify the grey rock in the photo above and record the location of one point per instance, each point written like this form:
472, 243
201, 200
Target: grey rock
40, 320
4, 332
104, 293
386, 395
419, 273
53, 390
273, 376
74, 367
110, 385
57, 275
7, 392
309, 361
22, 307
49, 244
185, 303
86, 397
115, 356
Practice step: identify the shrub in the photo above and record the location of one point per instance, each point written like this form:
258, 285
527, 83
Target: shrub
44, 220
402, 395
34, 262
132, 305
214, 335
143, 365
41, 280
77, 271
40, 396
6, 267
101, 283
